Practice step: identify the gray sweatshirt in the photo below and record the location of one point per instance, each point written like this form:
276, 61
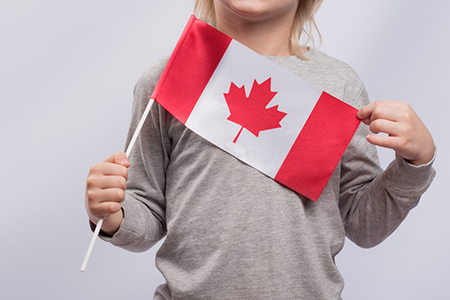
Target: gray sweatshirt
233, 233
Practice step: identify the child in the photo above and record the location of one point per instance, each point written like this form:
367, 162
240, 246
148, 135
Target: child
232, 232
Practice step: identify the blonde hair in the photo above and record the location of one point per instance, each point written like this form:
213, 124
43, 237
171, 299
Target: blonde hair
303, 23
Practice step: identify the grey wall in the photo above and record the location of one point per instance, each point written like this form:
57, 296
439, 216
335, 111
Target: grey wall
67, 71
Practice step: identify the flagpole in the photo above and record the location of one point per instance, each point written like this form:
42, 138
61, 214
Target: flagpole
127, 152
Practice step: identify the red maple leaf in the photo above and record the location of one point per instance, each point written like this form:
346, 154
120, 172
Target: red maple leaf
251, 112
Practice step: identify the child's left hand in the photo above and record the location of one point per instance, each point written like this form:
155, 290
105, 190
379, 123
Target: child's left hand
407, 134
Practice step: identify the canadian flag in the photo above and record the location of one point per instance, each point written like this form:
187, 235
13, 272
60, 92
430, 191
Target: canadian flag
255, 110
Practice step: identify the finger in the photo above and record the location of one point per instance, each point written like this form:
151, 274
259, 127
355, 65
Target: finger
102, 203
96, 196
106, 182
391, 142
105, 209
390, 113
119, 158
383, 109
109, 169
365, 112
379, 140
386, 126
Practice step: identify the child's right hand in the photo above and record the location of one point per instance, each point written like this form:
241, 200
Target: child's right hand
105, 190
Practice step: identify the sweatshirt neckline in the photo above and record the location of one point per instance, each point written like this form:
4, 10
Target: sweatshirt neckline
309, 54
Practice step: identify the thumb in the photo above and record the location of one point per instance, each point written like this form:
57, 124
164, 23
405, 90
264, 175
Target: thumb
119, 158
364, 114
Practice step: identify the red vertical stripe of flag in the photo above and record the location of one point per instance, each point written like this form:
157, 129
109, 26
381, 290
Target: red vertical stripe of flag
319, 147
194, 60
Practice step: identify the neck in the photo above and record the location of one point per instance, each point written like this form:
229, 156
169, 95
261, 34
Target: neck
264, 42
265, 37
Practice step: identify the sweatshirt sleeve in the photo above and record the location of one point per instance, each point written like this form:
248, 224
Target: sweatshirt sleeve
374, 202
144, 206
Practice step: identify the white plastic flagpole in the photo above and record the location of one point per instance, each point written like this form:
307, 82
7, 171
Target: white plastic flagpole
127, 152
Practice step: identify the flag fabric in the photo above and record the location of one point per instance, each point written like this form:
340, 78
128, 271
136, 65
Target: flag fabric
255, 110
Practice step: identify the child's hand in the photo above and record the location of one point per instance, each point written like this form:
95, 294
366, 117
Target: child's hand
407, 134
105, 190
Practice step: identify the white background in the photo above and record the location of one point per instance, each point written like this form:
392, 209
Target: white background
67, 72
